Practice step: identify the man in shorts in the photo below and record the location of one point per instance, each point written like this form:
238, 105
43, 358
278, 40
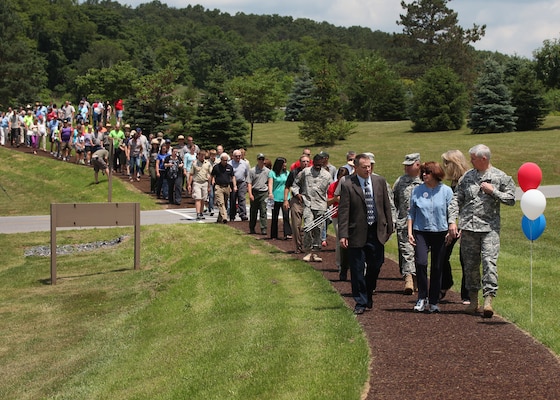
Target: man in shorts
199, 182
99, 162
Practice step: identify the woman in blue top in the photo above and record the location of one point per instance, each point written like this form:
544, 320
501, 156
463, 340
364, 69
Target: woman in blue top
428, 225
276, 185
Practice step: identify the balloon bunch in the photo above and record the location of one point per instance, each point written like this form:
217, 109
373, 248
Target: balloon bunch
533, 201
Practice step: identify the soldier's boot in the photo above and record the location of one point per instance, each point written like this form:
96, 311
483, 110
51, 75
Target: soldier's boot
487, 310
408, 285
473, 307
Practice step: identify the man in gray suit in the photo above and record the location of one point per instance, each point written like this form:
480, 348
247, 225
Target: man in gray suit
365, 223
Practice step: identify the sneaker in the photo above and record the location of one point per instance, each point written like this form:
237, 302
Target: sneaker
420, 305
434, 308
202, 216
307, 257
316, 258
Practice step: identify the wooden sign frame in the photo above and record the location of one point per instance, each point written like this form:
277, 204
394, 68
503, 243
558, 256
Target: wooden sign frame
78, 215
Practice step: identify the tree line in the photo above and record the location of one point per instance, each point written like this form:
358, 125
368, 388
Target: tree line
197, 69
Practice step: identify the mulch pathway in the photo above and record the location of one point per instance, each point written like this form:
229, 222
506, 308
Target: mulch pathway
449, 355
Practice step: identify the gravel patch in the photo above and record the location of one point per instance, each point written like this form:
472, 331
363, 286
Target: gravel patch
45, 251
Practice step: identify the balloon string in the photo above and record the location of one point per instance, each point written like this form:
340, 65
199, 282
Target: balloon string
531, 280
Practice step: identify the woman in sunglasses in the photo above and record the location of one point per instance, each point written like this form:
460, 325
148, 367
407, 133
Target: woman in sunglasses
428, 225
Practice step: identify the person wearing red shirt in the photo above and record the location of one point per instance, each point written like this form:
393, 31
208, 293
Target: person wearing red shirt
119, 108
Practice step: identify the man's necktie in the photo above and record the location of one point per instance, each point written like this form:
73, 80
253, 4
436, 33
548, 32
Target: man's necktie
370, 203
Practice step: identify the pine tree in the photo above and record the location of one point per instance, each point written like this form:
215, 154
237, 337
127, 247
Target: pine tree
439, 101
492, 111
321, 109
432, 36
528, 99
303, 86
218, 119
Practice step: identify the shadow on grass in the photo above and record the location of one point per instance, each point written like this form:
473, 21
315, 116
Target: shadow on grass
59, 278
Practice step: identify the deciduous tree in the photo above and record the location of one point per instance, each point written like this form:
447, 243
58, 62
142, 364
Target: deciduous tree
259, 95
375, 92
547, 60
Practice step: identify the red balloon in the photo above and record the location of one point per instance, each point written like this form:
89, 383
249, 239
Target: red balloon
529, 176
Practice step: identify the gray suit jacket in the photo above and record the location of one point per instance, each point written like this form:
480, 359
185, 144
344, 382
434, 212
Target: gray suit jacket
352, 212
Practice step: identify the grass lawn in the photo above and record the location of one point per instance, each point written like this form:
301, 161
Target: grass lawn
246, 322
390, 141
30, 184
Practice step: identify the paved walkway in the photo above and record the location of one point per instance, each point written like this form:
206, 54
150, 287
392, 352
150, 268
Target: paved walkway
41, 223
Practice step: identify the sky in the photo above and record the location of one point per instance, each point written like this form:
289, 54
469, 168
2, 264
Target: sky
513, 27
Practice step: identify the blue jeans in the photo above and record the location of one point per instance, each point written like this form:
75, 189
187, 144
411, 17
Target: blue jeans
134, 165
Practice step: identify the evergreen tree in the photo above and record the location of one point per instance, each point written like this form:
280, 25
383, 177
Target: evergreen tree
322, 118
218, 120
492, 111
439, 101
432, 36
303, 86
155, 95
527, 95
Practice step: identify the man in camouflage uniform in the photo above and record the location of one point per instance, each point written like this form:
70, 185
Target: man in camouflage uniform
477, 203
402, 190
310, 187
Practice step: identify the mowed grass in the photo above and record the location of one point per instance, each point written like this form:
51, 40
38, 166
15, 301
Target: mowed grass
29, 184
212, 314
390, 141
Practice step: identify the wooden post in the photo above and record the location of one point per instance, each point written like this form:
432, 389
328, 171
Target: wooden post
53, 244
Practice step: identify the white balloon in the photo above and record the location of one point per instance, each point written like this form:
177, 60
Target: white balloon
533, 203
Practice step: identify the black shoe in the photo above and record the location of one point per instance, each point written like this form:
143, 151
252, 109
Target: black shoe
369, 304
244, 219
359, 310
252, 232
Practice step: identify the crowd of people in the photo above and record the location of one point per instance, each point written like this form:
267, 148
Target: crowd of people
61, 129
428, 216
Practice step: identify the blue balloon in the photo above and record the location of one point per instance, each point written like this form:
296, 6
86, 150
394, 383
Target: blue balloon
533, 229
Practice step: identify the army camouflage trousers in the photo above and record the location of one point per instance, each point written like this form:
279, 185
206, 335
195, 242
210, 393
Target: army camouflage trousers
406, 253
477, 248
312, 238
